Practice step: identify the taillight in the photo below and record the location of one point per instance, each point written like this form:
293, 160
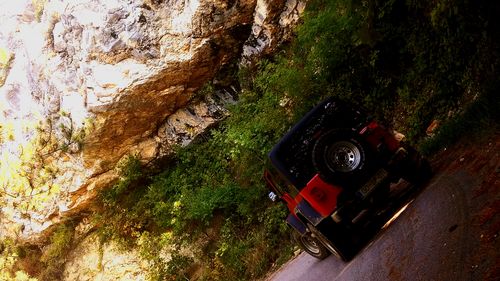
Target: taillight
321, 195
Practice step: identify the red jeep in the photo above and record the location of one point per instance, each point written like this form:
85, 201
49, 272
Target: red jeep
336, 170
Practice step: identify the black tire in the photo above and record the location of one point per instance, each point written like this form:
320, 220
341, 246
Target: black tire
341, 157
416, 169
311, 245
343, 254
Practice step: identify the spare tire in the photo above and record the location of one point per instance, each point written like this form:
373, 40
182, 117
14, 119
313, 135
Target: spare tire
341, 157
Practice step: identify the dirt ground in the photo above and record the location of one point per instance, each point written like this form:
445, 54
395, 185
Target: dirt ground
480, 158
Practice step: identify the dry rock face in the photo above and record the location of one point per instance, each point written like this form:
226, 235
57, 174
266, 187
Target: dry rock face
272, 19
92, 261
85, 83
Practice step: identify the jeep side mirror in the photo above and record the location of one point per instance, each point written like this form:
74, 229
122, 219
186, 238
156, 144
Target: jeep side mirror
272, 196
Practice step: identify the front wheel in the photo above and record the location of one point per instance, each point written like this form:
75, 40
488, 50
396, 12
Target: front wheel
417, 169
311, 245
344, 255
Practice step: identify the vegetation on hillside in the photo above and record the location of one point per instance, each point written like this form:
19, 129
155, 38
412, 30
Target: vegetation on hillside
408, 61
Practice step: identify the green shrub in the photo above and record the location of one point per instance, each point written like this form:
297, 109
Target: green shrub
480, 117
54, 254
408, 62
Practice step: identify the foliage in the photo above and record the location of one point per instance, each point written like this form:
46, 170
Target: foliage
28, 173
29, 149
20, 261
407, 61
406, 65
207, 181
151, 248
54, 254
131, 171
6, 58
38, 6
60, 241
9, 256
482, 116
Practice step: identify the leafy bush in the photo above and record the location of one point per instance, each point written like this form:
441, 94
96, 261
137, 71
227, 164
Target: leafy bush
53, 256
407, 61
9, 257
482, 116
21, 261
219, 177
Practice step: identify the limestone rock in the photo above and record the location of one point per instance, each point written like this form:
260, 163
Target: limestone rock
90, 261
272, 24
85, 83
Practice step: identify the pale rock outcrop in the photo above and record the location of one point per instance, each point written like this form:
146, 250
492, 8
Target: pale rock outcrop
270, 28
87, 83
92, 261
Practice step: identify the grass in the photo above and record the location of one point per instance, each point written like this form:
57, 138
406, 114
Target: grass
480, 117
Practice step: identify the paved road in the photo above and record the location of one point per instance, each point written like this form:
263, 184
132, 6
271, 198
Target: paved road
428, 241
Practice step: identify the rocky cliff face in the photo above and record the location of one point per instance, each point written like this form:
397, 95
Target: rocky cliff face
92, 261
84, 84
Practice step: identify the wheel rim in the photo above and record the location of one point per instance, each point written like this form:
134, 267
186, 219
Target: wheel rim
310, 244
325, 242
343, 156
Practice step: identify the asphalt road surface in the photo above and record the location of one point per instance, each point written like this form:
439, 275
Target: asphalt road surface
431, 239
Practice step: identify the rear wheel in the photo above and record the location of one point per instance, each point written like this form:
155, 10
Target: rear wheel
341, 157
311, 245
417, 169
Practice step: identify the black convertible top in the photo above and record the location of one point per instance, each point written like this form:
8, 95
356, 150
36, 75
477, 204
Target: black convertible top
291, 156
